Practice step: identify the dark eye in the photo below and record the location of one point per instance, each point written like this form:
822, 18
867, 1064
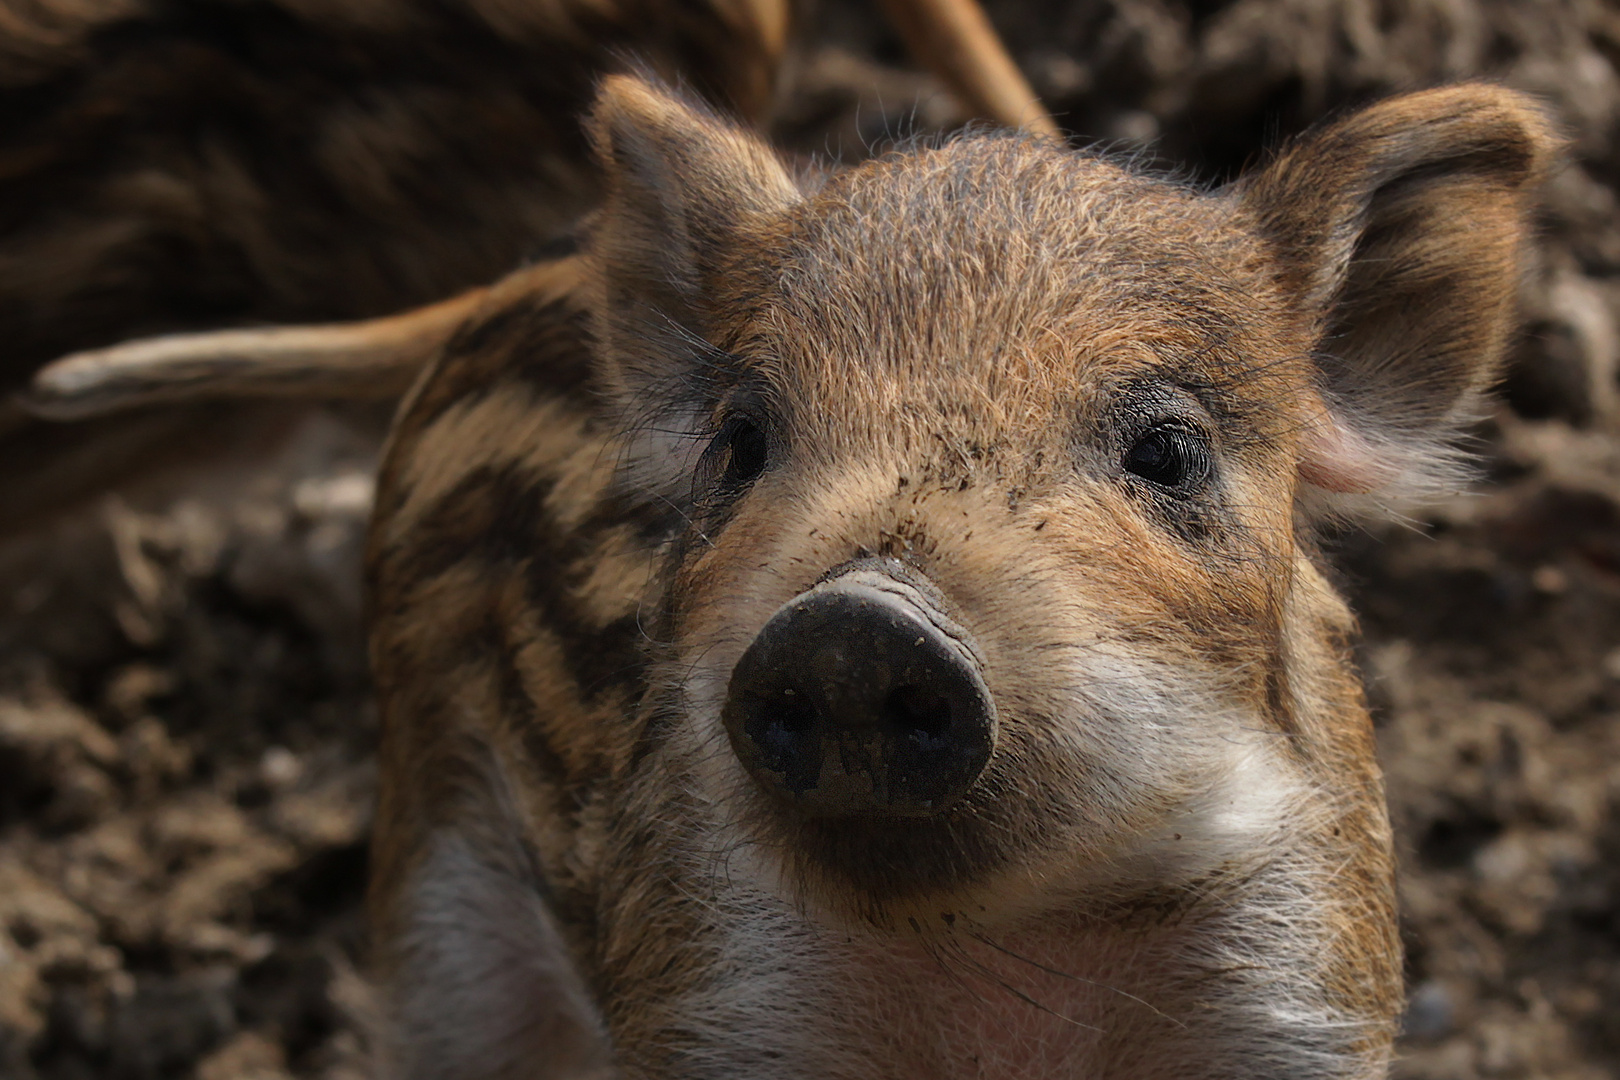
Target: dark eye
1169, 457
739, 452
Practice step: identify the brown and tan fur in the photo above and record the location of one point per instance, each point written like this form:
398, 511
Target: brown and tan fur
179, 165
1177, 861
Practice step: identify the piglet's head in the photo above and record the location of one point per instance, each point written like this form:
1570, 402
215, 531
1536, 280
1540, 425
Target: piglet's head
993, 469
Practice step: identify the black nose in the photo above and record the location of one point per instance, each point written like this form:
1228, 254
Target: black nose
854, 700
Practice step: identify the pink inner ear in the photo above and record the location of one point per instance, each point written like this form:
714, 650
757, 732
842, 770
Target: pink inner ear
1334, 457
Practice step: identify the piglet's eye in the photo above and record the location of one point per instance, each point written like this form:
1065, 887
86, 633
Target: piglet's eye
1169, 457
739, 452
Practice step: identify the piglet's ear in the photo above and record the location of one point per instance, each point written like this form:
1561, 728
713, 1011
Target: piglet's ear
1398, 232
686, 194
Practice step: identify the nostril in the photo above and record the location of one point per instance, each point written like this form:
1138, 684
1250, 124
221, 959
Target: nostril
783, 727
779, 723
914, 711
795, 713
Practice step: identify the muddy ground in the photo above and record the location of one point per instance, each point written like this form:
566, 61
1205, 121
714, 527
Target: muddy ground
185, 729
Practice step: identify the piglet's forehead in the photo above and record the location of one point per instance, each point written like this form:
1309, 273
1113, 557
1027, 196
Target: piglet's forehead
1020, 199
888, 314
996, 243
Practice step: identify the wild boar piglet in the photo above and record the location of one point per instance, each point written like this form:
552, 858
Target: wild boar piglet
869, 624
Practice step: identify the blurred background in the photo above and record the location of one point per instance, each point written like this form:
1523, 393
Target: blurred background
185, 728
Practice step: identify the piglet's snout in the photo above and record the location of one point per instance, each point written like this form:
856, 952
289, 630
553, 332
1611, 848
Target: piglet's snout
859, 699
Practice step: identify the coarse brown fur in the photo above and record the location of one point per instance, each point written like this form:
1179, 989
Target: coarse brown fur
1177, 861
176, 165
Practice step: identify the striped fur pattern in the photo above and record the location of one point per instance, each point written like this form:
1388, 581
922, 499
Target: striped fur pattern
175, 164
1177, 862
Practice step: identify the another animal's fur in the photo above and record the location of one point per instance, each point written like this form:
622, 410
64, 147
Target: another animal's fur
1177, 862
177, 165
